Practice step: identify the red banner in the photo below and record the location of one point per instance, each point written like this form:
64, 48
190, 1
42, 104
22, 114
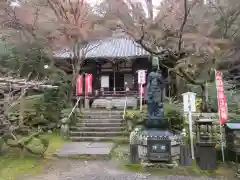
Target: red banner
79, 85
222, 100
141, 90
88, 80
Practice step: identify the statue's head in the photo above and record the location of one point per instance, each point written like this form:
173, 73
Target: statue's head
154, 68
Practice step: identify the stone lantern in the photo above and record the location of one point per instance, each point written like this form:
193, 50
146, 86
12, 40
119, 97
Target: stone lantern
205, 145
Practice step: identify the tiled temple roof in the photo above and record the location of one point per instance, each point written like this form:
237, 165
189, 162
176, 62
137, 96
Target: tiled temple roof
117, 47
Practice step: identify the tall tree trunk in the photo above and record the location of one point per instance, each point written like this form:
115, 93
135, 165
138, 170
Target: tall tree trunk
74, 77
76, 66
74, 69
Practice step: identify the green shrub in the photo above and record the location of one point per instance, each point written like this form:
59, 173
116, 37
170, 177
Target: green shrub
198, 104
172, 114
42, 110
231, 92
134, 118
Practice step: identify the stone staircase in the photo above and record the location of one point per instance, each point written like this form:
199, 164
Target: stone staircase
98, 125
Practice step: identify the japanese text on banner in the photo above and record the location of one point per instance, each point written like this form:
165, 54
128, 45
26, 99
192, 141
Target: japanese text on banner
79, 85
88, 80
141, 77
222, 101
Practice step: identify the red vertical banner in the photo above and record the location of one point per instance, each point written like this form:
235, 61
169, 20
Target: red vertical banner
222, 100
79, 85
141, 90
88, 80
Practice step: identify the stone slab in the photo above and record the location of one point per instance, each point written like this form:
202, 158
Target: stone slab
85, 148
100, 145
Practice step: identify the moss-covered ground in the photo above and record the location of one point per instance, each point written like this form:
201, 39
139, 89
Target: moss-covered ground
12, 166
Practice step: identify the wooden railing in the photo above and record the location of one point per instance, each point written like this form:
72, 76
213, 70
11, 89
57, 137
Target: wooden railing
118, 93
111, 94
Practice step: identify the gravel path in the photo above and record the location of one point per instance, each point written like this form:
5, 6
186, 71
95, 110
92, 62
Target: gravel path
97, 170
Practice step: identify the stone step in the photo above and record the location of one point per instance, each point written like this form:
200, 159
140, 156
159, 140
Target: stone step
75, 139
86, 151
101, 116
95, 134
106, 120
96, 111
98, 129
99, 124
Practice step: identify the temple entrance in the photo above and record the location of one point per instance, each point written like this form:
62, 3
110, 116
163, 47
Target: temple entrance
116, 81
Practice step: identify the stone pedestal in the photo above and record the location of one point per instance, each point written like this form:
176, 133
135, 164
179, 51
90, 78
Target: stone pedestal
185, 155
158, 146
134, 156
86, 103
206, 157
109, 103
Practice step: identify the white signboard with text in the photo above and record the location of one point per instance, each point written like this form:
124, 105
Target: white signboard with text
141, 81
141, 76
189, 102
105, 81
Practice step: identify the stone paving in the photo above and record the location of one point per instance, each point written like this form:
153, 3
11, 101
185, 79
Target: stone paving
79, 169
85, 148
67, 169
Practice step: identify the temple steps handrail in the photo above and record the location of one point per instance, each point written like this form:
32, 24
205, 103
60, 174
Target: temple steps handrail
125, 107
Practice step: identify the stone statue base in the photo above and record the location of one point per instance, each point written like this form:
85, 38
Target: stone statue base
158, 146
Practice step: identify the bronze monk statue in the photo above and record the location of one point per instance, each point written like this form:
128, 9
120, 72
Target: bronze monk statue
155, 89
155, 142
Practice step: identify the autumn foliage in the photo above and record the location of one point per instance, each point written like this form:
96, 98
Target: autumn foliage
190, 35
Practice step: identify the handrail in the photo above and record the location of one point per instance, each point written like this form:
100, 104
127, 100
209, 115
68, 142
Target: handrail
73, 109
125, 107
